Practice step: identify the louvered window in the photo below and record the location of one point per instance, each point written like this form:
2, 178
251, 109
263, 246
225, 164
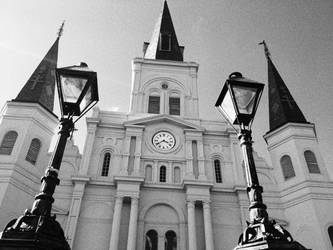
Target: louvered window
163, 174
165, 42
106, 164
287, 167
33, 151
174, 105
8, 143
330, 234
154, 105
311, 161
218, 174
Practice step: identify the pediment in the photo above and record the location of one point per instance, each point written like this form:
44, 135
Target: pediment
163, 119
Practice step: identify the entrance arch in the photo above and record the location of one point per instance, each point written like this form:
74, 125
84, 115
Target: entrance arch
168, 221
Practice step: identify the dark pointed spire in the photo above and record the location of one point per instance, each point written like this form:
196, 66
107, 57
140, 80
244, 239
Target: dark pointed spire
282, 106
41, 84
164, 44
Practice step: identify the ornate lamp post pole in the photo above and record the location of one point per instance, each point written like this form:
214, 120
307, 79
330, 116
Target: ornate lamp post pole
238, 102
37, 229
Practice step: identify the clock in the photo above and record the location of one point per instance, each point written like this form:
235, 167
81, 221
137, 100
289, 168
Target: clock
164, 140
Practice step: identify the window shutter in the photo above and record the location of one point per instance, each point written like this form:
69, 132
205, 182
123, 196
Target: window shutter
33, 151
106, 164
287, 167
154, 105
8, 143
174, 105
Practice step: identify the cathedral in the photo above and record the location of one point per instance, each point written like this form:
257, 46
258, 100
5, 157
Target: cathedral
159, 177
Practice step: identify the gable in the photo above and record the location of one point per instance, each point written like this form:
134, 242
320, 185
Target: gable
164, 118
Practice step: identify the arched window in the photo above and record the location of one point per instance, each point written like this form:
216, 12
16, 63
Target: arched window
170, 241
176, 175
151, 240
149, 171
330, 234
162, 174
33, 151
106, 164
287, 167
311, 161
8, 143
218, 172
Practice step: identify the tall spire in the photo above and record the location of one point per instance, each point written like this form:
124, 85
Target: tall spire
164, 44
282, 106
41, 84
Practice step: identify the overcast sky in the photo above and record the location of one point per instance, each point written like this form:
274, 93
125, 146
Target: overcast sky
221, 35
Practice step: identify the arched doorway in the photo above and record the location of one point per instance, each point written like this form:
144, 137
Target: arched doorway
164, 221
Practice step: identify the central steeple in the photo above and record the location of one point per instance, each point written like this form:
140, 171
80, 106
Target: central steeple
164, 44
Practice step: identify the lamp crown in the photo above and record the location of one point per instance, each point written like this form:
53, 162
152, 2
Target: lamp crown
235, 75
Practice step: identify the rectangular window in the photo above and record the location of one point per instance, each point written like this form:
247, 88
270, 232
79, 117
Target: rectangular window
174, 106
154, 105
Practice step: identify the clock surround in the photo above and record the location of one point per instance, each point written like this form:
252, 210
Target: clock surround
164, 140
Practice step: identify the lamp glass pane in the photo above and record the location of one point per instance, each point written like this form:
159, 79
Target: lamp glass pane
228, 108
245, 98
87, 99
72, 88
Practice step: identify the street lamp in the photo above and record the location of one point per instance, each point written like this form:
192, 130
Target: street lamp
238, 103
37, 229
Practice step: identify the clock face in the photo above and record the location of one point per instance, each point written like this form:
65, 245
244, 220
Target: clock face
164, 140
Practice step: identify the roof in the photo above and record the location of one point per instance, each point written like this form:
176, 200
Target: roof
41, 84
282, 106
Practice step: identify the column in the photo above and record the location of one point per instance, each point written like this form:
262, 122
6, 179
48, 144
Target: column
116, 223
137, 154
170, 173
208, 226
189, 160
201, 161
91, 130
133, 223
73, 216
155, 172
125, 154
192, 235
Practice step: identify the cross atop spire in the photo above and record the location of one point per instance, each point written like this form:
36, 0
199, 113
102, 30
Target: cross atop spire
164, 44
41, 84
282, 106
267, 53
61, 29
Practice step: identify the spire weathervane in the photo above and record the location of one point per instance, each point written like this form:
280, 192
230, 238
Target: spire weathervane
61, 29
267, 53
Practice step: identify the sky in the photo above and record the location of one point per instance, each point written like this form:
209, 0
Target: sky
221, 35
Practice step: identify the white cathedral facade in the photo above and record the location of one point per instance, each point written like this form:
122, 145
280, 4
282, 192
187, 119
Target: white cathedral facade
159, 177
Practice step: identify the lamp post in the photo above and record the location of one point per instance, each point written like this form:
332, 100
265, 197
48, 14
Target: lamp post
37, 229
238, 103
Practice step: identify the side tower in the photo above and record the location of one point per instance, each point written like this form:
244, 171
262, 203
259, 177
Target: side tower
306, 190
162, 83
26, 128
